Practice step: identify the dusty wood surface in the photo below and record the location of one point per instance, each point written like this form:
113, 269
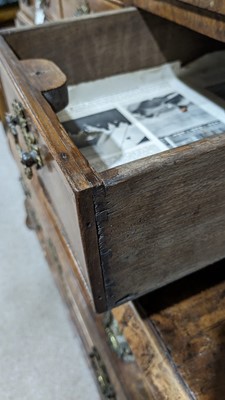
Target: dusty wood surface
127, 378
212, 5
96, 40
151, 356
167, 236
200, 20
164, 220
45, 76
65, 174
189, 317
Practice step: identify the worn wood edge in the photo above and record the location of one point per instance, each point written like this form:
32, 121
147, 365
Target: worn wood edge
74, 166
73, 20
167, 158
207, 23
101, 216
216, 5
47, 77
91, 246
44, 74
151, 355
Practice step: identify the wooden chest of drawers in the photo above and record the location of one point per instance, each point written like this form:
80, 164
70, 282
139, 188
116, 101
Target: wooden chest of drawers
138, 226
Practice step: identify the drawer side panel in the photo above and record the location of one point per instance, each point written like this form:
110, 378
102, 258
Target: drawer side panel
160, 225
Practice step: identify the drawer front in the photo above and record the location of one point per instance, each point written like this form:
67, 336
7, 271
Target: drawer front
48, 174
66, 187
119, 378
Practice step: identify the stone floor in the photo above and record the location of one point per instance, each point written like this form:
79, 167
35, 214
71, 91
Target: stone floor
41, 355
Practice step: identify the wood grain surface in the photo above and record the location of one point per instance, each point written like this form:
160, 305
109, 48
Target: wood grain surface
162, 221
200, 20
151, 355
64, 163
127, 378
189, 319
147, 41
217, 6
45, 76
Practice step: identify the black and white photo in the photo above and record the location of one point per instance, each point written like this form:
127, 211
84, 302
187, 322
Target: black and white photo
107, 138
173, 119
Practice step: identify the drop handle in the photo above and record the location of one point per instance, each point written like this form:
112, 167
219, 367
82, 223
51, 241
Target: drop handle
19, 127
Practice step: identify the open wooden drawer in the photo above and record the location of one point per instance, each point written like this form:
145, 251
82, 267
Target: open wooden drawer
138, 226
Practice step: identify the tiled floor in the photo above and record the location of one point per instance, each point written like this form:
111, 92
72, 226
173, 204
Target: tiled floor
41, 356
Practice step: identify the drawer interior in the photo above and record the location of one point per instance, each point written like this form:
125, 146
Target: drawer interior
108, 45
188, 318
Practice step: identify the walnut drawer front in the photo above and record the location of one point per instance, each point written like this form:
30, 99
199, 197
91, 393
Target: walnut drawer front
142, 225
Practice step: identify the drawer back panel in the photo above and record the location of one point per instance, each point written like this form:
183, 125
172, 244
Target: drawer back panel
110, 43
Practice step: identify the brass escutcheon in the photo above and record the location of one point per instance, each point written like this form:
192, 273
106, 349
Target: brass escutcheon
17, 122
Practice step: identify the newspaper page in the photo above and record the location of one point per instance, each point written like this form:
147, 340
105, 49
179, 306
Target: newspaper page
127, 117
207, 75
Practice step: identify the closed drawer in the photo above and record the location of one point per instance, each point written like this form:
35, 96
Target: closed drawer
114, 365
141, 225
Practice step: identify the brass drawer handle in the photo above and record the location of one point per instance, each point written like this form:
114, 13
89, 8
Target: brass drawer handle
116, 339
31, 156
102, 376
